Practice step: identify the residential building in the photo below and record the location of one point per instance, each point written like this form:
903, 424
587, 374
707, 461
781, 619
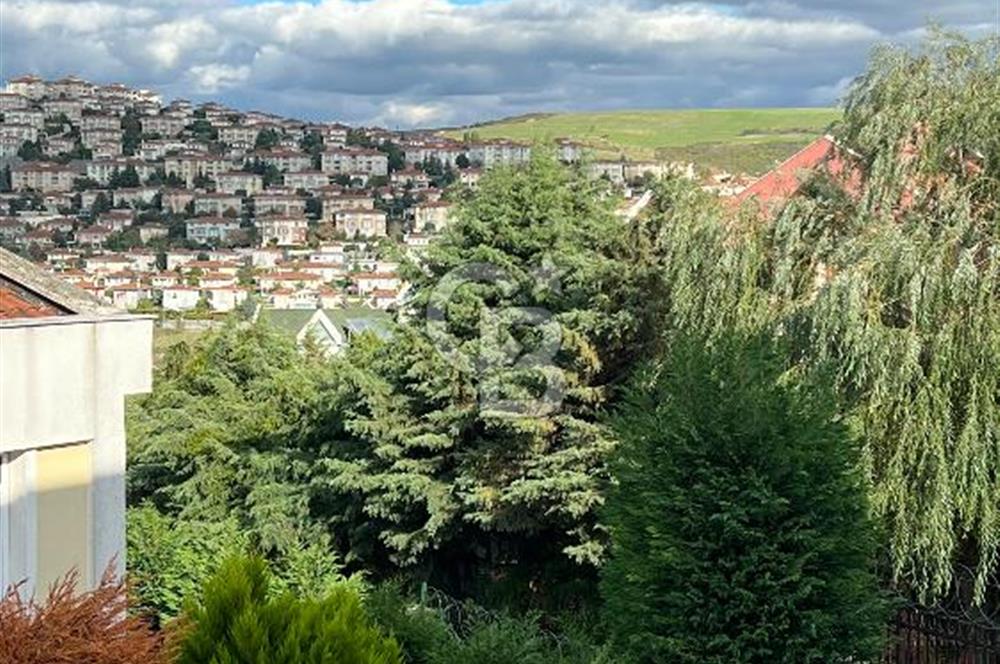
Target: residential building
211, 230
284, 231
308, 180
361, 222
357, 162
282, 204
286, 160
234, 181
165, 125
42, 176
430, 217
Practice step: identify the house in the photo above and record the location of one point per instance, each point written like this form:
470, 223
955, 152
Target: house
211, 230
102, 170
180, 298
12, 100
67, 362
330, 330
366, 283
282, 230
357, 162
11, 231
42, 176
413, 177
289, 279
225, 298
129, 296
361, 222
234, 181
784, 181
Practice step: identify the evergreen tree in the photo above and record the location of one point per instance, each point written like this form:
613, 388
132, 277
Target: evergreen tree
738, 519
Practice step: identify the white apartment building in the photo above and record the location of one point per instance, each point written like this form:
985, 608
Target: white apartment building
355, 162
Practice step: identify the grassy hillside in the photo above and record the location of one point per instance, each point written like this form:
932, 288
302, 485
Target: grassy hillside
748, 140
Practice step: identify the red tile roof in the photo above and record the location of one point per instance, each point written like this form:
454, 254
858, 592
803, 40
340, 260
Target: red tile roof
15, 303
785, 180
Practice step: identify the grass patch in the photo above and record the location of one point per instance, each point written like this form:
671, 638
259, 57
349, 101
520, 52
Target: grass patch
748, 140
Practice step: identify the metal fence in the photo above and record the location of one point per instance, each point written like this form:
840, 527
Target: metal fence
934, 636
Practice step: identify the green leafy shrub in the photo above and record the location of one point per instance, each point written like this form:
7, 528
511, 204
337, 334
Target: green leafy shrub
237, 622
739, 527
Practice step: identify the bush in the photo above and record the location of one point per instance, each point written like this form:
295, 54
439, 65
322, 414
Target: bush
89, 627
237, 622
739, 527
443, 631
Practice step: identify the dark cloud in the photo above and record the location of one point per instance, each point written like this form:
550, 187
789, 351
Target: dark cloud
405, 62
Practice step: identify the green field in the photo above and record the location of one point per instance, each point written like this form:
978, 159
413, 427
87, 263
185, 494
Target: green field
747, 140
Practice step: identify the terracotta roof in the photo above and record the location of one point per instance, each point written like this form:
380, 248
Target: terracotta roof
31, 292
785, 179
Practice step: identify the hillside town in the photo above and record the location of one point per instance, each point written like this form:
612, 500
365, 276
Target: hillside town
196, 209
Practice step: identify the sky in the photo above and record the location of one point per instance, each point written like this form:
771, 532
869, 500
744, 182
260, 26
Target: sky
412, 63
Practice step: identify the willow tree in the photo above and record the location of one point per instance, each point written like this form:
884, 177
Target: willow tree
890, 280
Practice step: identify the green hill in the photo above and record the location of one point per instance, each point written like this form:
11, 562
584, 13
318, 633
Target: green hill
749, 140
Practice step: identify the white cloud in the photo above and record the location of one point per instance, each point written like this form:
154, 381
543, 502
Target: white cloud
211, 78
414, 62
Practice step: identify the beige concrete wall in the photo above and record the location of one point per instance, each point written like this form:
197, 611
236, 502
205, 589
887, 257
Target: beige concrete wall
63, 381
63, 481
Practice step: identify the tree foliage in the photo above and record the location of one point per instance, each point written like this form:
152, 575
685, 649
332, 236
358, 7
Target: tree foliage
239, 621
433, 468
891, 283
738, 520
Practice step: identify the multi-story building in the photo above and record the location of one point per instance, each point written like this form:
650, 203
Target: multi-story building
218, 204
284, 231
430, 216
355, 162
234, 181
239, 134
211, 230
71, 108
10, 100
99, 121
19, 132
189, 166
307, 180
73, 87
94, 137
42, 176
286, 160
164, 125
281, 204
498, 153
361, 222
101, 170
342, 201
25, 116
28, 86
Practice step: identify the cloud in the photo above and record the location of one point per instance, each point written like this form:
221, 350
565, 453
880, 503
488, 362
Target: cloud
420, 62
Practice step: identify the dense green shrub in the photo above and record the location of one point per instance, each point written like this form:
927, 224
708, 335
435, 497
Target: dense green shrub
443, 631
237, 622
739, 528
